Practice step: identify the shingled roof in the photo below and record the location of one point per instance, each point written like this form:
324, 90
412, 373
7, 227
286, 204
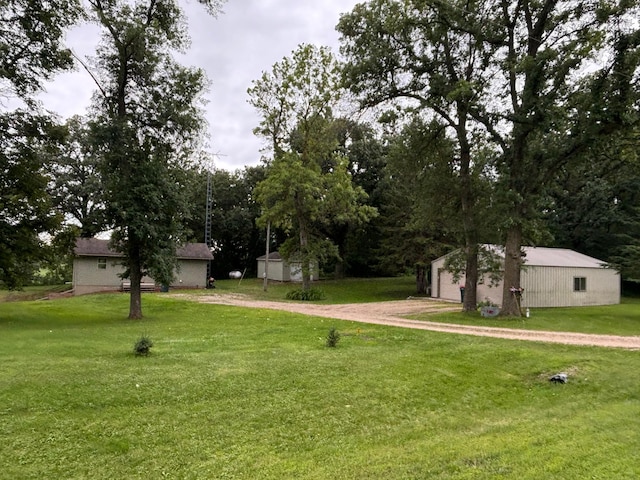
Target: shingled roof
95, 247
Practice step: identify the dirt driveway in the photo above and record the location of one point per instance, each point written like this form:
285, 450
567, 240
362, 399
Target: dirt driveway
391, 313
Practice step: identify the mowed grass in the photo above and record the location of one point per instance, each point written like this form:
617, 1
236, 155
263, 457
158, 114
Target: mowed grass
622, 319
348, 290
255, 394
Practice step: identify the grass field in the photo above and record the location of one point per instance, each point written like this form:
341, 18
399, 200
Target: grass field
255, 394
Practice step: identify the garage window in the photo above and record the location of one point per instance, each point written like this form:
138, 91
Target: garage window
579, 284
102, 264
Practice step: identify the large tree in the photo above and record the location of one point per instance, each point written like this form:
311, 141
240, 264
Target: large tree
308, 184
147, 124
548, 77
358, 242
563, 78
407, 52
31, 52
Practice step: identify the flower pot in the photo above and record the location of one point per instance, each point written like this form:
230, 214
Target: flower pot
489, 311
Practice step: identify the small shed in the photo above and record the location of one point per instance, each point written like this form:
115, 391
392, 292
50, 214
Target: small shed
550, 277
97, 268
282, 271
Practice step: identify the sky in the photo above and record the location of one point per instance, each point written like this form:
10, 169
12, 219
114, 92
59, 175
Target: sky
233, 49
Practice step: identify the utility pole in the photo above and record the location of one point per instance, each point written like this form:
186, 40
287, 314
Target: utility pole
207, 222
266, 259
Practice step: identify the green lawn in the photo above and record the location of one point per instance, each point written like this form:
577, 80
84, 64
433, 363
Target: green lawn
623, 319
350, 290
255, 394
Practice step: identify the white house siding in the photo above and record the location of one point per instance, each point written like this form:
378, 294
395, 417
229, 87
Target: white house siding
281, 271
277, 270
192, 274
88, 278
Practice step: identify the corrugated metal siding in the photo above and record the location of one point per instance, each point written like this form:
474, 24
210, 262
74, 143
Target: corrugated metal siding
486, 292
553, 287
543, 286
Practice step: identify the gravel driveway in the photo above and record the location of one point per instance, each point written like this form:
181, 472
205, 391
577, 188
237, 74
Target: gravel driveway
391, 313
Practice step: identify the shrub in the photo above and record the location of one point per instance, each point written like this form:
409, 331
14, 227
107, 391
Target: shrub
143, 345
306, 295
332, 338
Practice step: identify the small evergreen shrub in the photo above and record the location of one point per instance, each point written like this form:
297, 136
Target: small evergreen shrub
306, 295
143, 345
333, 338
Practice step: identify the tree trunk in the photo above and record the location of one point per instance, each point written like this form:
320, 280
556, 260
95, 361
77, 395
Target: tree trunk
421, 279
135, 276
338, 271
304, 256
467, 201
471, 278
512, 263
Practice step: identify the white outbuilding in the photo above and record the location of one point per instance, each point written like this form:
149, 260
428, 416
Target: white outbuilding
550, 277
282, 271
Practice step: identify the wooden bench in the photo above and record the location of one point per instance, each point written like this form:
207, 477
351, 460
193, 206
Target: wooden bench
144, 286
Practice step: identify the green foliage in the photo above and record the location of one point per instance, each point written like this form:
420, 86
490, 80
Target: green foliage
31, 42
26, 140
333, 337
486, 303
143, 345
77, 187
235, 236
308, 188
31, 52
306, 295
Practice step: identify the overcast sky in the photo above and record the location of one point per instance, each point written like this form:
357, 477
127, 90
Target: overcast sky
234, 49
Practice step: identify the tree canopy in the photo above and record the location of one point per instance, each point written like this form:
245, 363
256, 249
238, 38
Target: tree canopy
31, 52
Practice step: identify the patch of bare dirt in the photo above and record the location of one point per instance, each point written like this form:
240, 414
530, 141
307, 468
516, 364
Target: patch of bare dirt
391, 313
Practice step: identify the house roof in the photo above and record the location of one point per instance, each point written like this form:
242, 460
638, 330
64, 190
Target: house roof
559, 257
551, 257
95, 247
272, 256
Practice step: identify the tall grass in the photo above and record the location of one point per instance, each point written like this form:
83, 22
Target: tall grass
245, 394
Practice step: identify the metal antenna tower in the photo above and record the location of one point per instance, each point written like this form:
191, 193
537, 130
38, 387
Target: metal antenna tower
209, 165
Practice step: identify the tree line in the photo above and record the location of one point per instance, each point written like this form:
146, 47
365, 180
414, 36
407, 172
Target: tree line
492, 121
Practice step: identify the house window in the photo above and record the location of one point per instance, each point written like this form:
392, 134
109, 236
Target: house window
579, 284
102, 264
